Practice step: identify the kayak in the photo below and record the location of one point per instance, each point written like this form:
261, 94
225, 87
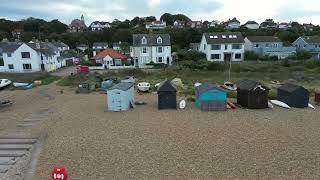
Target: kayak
279, 103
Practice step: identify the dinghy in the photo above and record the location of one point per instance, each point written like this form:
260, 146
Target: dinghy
4, 83
144, 87
182, 104
229, 86
157, 85
280, 104
311, 106
270, 105
197, 84
23, 85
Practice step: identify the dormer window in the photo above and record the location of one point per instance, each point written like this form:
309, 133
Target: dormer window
144, 40
159, 40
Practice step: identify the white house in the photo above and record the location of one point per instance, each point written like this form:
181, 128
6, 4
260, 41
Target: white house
99, 25
227, 46
156, 25
233, 24
284, 25
98, 47
149, 48
252, 25
30, 57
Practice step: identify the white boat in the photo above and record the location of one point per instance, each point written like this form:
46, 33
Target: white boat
197, 84
144, 86
229, 86
279, 103
157, 85
17, 84
270, 105
4, 83
311, 106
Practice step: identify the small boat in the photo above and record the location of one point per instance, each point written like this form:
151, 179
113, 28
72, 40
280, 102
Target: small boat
270, 105
4, 83
6, 103
143, 86
197, 84
157, 85
311, 106
229, 86
231, 105
23, 85
279, 103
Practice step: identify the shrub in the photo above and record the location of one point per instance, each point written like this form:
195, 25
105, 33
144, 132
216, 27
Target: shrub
303, 54
285, 63
214, 66
250, 56
191, 55
311, 64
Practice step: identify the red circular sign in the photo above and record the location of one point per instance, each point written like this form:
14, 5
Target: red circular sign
59, 173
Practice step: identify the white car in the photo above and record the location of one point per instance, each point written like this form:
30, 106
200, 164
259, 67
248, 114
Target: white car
144, 86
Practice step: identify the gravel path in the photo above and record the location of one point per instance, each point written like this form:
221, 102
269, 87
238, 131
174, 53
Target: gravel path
146, 143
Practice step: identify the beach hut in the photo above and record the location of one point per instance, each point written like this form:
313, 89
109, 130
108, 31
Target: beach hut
211, 98
167, 96
252, 95
120, 97
293, 95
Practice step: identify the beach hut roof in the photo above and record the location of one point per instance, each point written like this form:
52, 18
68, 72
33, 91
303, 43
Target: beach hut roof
206, 87
290, 87
250, 85
122, 86
167, 86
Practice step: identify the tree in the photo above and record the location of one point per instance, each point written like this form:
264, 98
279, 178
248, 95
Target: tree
168, 18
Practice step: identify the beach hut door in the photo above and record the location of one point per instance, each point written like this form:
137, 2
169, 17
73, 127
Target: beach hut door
116, 100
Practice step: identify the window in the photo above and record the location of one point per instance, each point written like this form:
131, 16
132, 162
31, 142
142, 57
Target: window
257, 45
160, 50
226, 47
238, 56
10, 66
159, 40
160, 59
215, 47
1, 62
144, 40
144, 50
9, 54
204, 47
236, 46
27, 66
25, 55
215, 56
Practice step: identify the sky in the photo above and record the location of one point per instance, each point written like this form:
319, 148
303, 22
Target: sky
303, 11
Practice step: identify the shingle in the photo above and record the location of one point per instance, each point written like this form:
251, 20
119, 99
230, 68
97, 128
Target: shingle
250, 85
122, 86
218, 38
167, 86
11, 47
263, 38
151, 39
289, 87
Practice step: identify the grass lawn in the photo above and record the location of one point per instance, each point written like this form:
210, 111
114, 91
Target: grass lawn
264, 72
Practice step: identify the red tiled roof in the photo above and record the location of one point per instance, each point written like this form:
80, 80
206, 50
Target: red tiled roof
112, 53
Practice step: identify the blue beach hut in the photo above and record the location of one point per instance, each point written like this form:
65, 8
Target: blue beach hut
120, 97
211, 98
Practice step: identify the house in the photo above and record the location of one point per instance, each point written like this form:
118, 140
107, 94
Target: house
252, 95
167, 96
179, 24
268, 46
233, 24
284, 26
98, 47
211, 98
195, 46
251, 25
214, 23
77, 25
308, 27
310, 44
268, 24
156, 25
195, 24
223, 46
149, 48
110, 57
99, 25
82, 47
21, 57
16, 33
61, 46
293, 95
120, 97
116, 46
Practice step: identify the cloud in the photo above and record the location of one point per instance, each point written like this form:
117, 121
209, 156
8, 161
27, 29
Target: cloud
107, 10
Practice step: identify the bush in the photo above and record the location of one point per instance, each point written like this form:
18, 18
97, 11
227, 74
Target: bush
285, 63
191, 55
250, 56
215, 66
311, 64
269, 58
302, 55
195, 65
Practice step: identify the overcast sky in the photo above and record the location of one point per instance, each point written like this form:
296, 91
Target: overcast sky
106, 10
